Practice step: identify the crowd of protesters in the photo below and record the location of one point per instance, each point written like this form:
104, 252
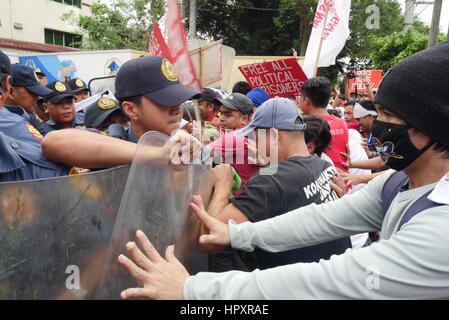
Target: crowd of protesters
306, 221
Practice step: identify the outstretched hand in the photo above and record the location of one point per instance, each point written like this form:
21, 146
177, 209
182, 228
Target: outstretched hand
218, 238
162, 279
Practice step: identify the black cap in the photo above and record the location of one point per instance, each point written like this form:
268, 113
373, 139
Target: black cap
24, 76
153, 77
237, 101
77, 85
209, 95
424, 101
5, 64
39, 71
59, 91
5, 68
98, 111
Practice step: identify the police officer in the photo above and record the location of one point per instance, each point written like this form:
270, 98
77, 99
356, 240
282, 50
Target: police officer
152, 103
59, 104
104, 112
79, 88
20, 143
24, 94
43, 80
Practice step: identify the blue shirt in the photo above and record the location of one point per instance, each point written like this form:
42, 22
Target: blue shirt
40, 125
78, 121
20, 149
119, 132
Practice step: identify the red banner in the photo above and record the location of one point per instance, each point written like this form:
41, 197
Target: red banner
373, 76
279, 78
177, 44
157, 45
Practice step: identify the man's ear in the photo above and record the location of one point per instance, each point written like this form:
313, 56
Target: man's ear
274, 135
245, 120
130, 110
45, 106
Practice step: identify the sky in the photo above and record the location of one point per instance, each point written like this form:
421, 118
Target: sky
423, 11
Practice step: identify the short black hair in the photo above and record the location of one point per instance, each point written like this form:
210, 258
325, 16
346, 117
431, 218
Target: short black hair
241, 87
317, 132
318, 90
137, 100
334, 112
442, 148
368, 105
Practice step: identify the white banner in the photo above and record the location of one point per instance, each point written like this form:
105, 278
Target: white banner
336, 32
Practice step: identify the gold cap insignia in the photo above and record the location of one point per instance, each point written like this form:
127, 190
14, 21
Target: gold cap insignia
106, 103
59, 86
169, 71
79, 83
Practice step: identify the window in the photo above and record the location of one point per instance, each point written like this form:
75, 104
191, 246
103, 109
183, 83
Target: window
76, 3
62, 38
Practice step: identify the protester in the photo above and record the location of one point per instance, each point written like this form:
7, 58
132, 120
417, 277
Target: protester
257, 96
313, 101
235, 113
277, 123
409, 262
349, 116
104, 112
208, 104
241, 87
79, 88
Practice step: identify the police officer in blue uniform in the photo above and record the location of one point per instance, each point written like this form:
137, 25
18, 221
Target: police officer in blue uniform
24, 94
59, 103
20, 143
79, 88
150, 95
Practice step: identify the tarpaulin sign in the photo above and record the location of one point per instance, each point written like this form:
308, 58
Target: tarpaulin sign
279, 78
374, 77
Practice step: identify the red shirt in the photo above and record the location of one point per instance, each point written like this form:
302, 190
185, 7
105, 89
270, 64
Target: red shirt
353, 125
339, 143
234, 151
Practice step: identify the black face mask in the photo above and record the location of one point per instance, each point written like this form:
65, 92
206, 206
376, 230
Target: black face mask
394, 146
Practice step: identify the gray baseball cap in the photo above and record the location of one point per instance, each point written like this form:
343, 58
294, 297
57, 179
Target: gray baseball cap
237, 101
279, 113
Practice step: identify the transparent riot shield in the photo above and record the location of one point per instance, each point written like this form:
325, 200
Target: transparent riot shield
156, 200
54, 234
101, 84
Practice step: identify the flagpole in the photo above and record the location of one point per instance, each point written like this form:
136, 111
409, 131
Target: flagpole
317, 60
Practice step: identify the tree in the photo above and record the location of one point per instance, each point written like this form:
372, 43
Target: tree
397, 46
126, 24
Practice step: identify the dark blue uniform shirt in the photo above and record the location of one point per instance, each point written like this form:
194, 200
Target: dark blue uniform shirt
20, 150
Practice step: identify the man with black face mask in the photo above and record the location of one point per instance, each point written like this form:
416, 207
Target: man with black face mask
410, 207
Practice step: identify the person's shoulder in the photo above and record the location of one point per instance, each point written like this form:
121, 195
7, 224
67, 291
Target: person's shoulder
117, 131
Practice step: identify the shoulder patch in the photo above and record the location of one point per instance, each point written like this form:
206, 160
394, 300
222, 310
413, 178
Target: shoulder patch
34, 131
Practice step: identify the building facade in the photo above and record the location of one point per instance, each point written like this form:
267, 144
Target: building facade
39, 21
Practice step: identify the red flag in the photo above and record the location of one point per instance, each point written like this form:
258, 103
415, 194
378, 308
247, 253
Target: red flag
177, 44
157, 45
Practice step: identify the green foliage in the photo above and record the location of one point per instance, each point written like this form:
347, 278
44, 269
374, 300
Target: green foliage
391, 49
126, 24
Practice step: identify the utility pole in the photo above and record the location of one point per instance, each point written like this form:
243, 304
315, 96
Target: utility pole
192, 20
435, 25
409, 13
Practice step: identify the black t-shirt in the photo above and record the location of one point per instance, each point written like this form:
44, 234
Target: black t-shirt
298, 182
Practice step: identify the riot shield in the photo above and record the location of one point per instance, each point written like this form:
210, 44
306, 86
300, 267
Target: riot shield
101, 84
54, 234
156, 200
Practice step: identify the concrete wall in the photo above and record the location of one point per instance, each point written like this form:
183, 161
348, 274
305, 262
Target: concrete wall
35, 16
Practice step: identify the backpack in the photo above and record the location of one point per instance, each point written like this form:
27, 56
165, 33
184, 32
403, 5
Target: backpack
392, 187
